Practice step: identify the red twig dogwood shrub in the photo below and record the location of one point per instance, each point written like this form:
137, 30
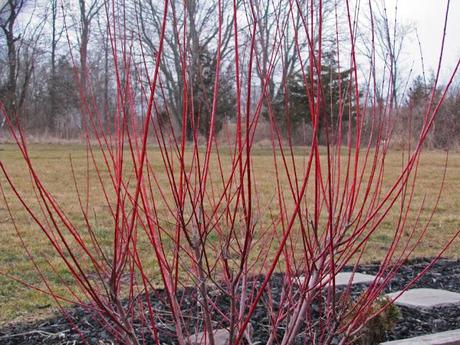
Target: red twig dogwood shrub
198, 228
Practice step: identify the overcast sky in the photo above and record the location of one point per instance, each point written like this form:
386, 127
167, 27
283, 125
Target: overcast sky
428, 18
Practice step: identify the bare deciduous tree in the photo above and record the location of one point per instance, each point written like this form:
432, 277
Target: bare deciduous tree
390, 35
52, 89
8, 18
201, 29
22, 45
87, 12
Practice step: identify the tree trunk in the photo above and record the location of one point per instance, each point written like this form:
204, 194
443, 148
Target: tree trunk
10, 94
51, 116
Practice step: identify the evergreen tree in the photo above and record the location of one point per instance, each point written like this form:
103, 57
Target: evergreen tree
418, 92
203, 94
333, 88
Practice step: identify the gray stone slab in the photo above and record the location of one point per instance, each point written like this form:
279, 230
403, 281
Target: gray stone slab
442, 338
343, 278
426, 298
221, 337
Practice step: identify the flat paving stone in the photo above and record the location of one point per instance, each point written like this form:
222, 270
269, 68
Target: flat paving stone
426, 298
343, 278
221, 337
441, 338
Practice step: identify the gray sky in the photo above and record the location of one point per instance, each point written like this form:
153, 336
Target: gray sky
428, 18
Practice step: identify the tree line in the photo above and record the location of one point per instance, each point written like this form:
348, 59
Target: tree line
58, 61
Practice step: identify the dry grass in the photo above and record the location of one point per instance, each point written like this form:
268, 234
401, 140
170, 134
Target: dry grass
52, 163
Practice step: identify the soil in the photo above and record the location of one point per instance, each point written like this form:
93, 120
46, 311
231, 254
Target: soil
445, 274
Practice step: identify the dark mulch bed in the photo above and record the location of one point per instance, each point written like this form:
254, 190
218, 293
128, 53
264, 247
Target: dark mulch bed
444, 275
